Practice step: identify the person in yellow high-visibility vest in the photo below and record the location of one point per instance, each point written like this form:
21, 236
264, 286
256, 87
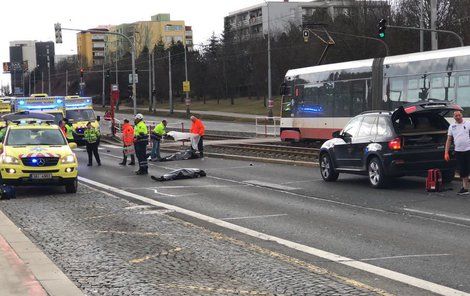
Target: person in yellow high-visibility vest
69, 130
141, 140
157, 134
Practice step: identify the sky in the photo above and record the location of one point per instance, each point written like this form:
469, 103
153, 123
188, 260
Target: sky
34, 20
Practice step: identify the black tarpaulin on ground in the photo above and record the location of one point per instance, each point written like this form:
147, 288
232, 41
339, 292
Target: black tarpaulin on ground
180, 174
182, 155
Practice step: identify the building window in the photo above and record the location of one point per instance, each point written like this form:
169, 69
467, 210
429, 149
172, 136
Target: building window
173, 28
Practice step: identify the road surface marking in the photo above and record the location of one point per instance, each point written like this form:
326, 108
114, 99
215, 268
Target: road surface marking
156, 212
138, 207
316, 198
270, 185
453, 217
405, 257
393, 275
253, 217
148, 257
127, 232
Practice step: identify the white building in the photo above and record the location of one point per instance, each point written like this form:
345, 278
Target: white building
252, 22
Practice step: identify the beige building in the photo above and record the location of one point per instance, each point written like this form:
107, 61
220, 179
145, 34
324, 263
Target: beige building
148, 34
91, 48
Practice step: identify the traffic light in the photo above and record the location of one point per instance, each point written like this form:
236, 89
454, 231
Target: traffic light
382, 28
58, 33
108, 73
81, 72
306, 35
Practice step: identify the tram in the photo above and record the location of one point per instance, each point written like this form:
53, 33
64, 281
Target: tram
319, 100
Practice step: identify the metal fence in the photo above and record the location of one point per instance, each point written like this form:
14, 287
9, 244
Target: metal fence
268, 126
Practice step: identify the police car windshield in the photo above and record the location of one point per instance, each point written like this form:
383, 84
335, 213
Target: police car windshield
81, 115
26, 137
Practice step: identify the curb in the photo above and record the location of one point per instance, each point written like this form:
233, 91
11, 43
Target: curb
50, 277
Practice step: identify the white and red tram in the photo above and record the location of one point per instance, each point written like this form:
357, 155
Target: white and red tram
316, 101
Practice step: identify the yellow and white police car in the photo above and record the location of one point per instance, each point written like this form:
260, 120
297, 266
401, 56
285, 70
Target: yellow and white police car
35, 152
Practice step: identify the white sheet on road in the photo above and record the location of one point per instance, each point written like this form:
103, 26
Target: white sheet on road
179, 136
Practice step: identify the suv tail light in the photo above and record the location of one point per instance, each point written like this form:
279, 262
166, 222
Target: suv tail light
395, 144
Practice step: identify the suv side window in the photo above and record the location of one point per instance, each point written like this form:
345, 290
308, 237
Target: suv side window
351, 129
368, 128
383, 128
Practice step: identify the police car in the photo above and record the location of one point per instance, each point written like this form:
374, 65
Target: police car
35, 152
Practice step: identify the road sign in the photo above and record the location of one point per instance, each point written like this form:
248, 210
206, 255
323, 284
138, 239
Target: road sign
186, 86
6, 67
136, 78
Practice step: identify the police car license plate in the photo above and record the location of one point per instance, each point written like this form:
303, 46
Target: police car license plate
41, 176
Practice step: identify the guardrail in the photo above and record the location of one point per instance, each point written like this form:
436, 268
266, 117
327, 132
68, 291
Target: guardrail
268, 126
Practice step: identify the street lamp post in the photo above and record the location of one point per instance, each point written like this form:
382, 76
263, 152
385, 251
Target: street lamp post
270, 102
188, 111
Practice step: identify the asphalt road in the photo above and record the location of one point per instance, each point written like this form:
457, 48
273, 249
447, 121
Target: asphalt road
403, 229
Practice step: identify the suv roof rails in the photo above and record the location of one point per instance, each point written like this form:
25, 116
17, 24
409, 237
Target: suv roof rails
375, 111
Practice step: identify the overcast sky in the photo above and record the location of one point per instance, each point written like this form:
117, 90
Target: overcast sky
34, 20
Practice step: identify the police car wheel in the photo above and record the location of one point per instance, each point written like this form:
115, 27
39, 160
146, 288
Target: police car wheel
72, 186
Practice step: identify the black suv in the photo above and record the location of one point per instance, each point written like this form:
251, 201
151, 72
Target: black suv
384, 144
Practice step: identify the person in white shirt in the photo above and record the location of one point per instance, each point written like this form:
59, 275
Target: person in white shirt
459, 133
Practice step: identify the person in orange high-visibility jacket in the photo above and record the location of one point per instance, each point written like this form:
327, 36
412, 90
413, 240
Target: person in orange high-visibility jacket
197, 127
128, 143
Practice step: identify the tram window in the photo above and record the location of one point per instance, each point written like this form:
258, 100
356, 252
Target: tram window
463, 94
442, 87
358, 96
397, 87
413, 90
342, 99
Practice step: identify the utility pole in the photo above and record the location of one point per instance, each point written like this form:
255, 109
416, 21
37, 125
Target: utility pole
34, 78
103, 85
150, 82
29, 84
66, 82
154, 87
116, 66
421, 25
270, 112
169, 83
48, 71
42, 81
434, 44
186, 75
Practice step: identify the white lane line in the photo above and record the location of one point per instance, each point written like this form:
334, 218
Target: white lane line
453, 217
317, 198
138, 207
405, 257
393, 275
270, 185
253, 217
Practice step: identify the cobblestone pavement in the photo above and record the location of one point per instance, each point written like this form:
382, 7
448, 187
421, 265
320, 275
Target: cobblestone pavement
110, 246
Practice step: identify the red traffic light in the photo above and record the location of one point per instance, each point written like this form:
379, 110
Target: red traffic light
81, 72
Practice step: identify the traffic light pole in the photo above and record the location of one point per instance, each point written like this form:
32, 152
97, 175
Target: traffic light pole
430, 30
134, 99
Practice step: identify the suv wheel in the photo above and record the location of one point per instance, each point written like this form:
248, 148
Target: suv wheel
72, 186
326, 168
377, 177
